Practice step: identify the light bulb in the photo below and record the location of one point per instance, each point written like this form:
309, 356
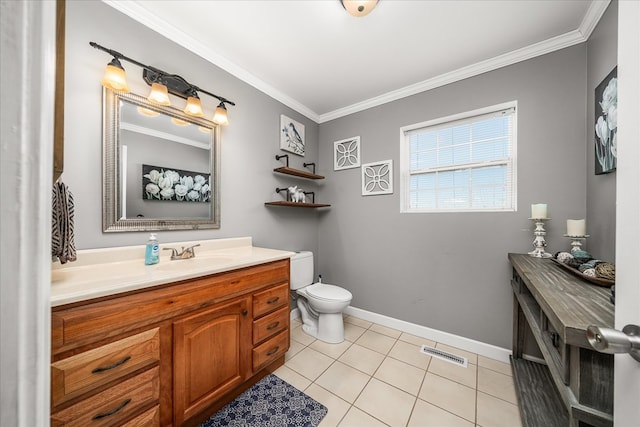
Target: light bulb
159, 94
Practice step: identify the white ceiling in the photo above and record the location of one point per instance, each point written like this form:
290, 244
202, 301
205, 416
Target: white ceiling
317, 59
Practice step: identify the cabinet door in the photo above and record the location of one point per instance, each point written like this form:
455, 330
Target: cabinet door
212, 353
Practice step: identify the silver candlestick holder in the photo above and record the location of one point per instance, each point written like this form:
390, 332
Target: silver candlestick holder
539, 243
576, 242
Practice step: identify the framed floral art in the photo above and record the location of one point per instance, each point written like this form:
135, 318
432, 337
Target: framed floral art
606, 124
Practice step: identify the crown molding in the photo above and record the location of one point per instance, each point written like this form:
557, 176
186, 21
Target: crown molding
135, 11
592, 17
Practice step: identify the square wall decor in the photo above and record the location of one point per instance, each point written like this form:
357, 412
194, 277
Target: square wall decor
291, 135
377, 178
346, 153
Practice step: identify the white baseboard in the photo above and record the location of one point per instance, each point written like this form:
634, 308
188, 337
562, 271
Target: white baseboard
483, 349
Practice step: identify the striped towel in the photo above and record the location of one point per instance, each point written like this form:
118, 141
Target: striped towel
63, 245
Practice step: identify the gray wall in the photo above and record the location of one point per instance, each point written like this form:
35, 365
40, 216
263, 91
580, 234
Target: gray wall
249, 143
449, 271
602, 57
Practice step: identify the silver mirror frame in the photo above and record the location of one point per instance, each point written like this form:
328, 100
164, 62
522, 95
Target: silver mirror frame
111, 169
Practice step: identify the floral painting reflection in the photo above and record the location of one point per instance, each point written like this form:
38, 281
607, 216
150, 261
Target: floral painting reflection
161, 183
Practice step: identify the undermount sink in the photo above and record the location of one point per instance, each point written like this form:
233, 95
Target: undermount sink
191, 263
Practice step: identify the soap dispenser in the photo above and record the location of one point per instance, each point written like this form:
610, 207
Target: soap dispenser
152, 251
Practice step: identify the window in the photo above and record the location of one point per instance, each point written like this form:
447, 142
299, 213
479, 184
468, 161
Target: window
460, 163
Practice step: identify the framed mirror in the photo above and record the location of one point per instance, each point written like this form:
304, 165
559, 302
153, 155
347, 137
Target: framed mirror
161, 167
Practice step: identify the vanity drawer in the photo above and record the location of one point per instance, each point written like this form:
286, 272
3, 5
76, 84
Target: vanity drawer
270, 325
113, 405
83, 372
271, 299
270, 350
150, 418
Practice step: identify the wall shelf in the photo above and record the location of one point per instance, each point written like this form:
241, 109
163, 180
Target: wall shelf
297, 205
297, 172
286, 170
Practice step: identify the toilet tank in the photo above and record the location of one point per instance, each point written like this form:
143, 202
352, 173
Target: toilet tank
301, 270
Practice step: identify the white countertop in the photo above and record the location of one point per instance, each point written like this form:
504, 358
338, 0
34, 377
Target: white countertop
109, 271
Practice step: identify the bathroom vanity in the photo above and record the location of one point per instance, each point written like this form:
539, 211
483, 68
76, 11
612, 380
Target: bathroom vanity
165, 345
575, 386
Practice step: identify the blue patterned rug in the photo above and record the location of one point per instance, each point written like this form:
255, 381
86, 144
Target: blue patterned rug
270, 402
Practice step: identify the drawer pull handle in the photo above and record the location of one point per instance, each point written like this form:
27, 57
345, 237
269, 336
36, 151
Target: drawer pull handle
273, 326
245, 312
274, 351
113, 411
273, 300
108, 368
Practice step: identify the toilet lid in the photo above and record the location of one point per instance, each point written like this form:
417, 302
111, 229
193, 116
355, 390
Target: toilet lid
328, 292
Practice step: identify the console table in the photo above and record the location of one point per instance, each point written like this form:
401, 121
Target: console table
575, 387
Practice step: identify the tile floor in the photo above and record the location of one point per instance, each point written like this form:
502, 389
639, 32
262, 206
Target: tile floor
378, 377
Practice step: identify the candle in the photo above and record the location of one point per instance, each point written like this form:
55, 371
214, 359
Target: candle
539, 211
576, 227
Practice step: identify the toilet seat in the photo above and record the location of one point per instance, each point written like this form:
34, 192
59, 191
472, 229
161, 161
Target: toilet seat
327, 292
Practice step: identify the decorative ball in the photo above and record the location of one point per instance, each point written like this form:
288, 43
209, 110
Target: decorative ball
563, 256
573, 263
582, 256
585, 266
606, 270
591, 272
593, 263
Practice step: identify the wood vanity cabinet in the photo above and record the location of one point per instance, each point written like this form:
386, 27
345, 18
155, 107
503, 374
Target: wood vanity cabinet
168, 355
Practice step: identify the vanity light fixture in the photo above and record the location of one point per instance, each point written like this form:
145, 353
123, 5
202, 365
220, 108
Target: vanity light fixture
159, 94
359, 8
194, 106
161, 84
220, 116
114, 77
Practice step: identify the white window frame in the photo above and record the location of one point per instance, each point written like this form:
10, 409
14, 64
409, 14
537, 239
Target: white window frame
405, 166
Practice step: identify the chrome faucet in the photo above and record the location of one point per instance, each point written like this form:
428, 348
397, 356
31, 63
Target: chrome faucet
186, 253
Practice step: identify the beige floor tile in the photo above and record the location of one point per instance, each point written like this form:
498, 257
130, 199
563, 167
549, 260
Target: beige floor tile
295, 322
332, 350
352, 332
375, 341
362, 358
357, 321
471, 357
413, 339
410, 353
449, 395
427, 415
343, 381
357, 418
299, 335
386, 403
393, 333
494, 412
459, 374
401, 375
294, 348
497, 385
336, 407
495, 365
292, 377
309, 363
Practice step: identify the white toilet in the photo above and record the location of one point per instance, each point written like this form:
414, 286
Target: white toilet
320, 304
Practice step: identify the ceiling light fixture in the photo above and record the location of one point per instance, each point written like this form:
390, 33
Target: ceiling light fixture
359, 8
162, 83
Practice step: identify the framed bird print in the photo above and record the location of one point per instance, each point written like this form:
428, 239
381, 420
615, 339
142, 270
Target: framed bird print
291, 135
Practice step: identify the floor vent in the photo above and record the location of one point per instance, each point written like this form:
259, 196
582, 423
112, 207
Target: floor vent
449, 357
